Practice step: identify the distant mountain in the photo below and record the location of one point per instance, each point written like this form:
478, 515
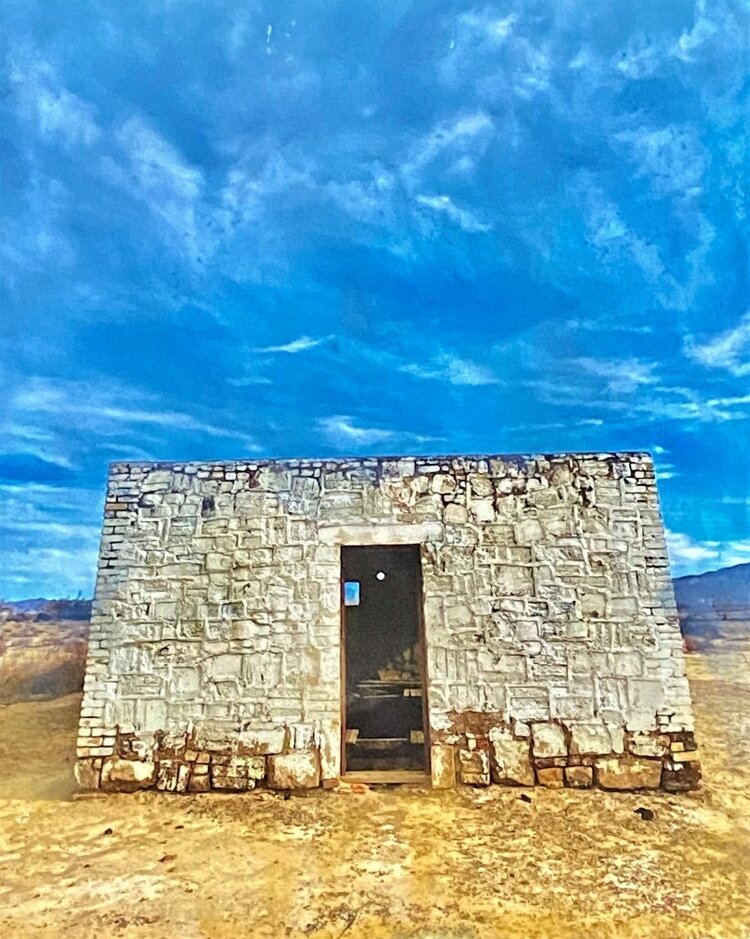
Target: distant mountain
715, 604
43, 610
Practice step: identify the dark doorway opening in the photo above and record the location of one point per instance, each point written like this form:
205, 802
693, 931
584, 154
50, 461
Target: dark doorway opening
384, 717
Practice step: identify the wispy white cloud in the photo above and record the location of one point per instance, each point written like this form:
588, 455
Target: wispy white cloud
341, 429
488, 25
672, 157
452, 369
614, 239
683, 548
302, 344
462, 217
730, 350
689, 555
157, 174
704, 28
104, 410
465, 134
622, 376
57, 113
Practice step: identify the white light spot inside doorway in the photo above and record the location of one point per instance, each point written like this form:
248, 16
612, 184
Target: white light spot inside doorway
380, 575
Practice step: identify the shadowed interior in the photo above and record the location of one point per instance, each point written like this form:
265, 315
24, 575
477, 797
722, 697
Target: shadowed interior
384, 711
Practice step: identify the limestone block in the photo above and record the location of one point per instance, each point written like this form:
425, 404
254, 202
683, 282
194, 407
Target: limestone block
551, 778
237, 772
646, 695
442, 483
200, 783
265, 741
303, 736
593, 605
443, 766
649, 745
152, 715
510, 761
483, 510
681, 777
628, 773
297, 770
474, 767
548, 740
455, 514
128, 775
172, 776
218, 562
185, 682
590, 740
528, 531
579, 777
480, 485
223, 666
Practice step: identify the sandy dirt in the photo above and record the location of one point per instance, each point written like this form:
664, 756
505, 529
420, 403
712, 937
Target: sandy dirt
386, 863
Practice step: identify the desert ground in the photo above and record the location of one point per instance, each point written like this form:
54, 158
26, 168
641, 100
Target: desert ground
390, 863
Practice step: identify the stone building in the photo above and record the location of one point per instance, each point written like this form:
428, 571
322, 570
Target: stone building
469, 619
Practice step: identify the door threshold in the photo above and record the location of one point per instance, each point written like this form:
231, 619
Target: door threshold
400, 777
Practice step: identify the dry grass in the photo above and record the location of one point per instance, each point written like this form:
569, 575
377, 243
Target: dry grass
391, 864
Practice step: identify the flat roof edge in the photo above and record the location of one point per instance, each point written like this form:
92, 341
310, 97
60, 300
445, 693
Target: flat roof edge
390, 458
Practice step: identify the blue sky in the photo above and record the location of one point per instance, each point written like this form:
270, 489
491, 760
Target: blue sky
317, 228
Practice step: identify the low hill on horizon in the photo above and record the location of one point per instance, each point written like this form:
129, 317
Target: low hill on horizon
716, 604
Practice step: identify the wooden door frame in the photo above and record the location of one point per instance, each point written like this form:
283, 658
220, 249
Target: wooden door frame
422, 638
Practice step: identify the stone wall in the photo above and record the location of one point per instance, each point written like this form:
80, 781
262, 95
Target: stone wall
553, 650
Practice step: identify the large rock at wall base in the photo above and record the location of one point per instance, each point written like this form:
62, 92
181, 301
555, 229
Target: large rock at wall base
653, 745
128, 775
172, 776
510, 761
550, 778
87, 773
237, 772
474, 767
579, 777
592, 740
681, 777
199, 780
628, 773
297, 770
548, 740
443, 766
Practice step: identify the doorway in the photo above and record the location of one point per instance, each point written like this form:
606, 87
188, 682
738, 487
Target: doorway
384, 721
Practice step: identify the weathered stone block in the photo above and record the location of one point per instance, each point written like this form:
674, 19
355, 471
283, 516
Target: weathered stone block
550, 777
548, 740
172, 776
443, 766
579, 777
649, 745
681, 777
199, 783
628, 773
529, 531
265, 741
474, 767
297, 770
510, 760
88, 773
128, 775
590, 739
455, 514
